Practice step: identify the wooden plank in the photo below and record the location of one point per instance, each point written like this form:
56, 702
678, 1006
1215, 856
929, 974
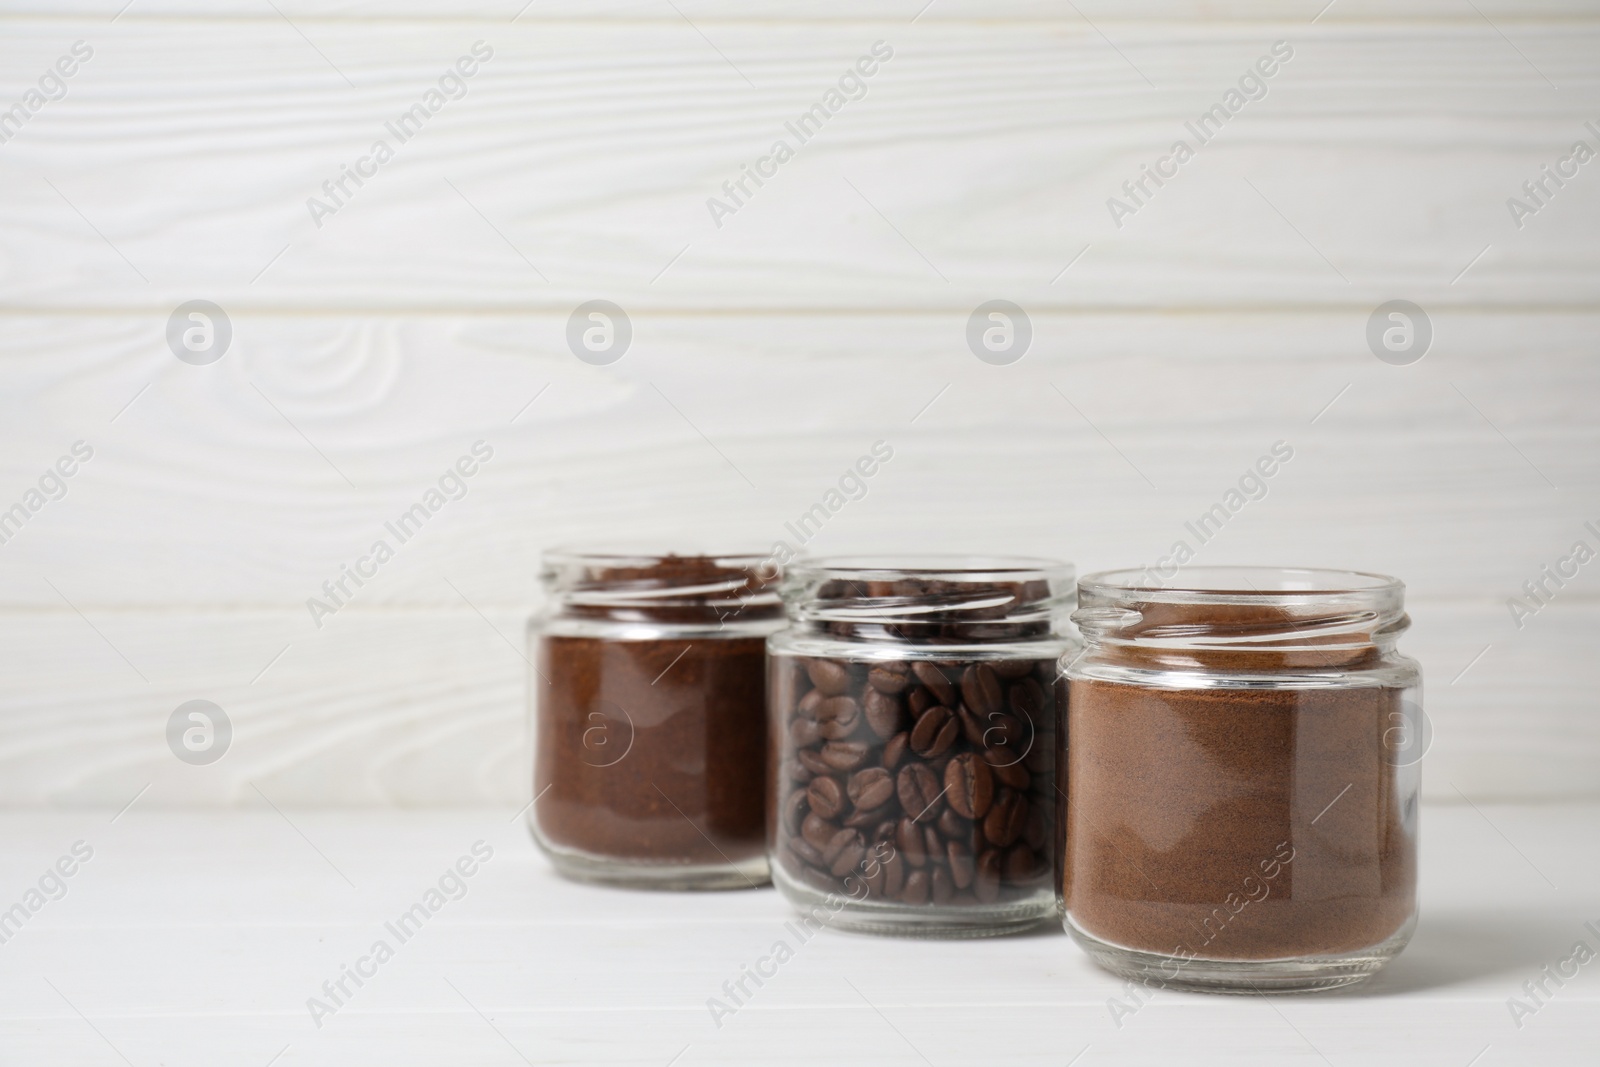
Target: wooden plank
426, 707
981, 161
197, 938
226, 485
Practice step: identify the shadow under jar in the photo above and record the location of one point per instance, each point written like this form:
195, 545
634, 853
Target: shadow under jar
912, 750
1242, 767
648, 697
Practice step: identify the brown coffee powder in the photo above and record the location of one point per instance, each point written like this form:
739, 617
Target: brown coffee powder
688, 782
1235, 823
649, 700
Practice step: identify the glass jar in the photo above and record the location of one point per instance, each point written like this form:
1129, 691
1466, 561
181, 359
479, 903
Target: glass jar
648, 696
1241, 763
913, 710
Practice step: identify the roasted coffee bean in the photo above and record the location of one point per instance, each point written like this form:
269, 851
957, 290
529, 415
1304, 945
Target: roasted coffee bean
865, 820
844, 755
894, 870
817, 831
980, 688
908, 842
1007, 819
871, 788
953, 827
934, 733
829, 676
1002, 730
933, 846
837, 717
971, 726
805, 851
897, 780
1027, 699
883, 712
986, 879
803, 732
811, 760
837, 707
937, 683
838, 729
889, 678
795, 809
825, 796
918, 790
810, 702
969, 786
848, 852
1012, 668
917, 888
943, 887
962, 865
837, 842
1019, 864
1007, 767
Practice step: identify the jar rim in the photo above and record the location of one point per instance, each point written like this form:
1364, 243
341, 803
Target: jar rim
931, 566
1244, 584
623, 576
932, 598
624, 555
1244, 609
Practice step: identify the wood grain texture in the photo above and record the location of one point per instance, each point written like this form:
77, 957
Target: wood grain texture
980, 161
426, 707
226, 485
829, 312
216, 505
198, 937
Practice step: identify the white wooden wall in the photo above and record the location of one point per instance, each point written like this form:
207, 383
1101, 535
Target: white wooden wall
769, 353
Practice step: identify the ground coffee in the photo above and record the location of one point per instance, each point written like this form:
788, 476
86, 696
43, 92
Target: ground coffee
650, 734
1238, 787
1235, 824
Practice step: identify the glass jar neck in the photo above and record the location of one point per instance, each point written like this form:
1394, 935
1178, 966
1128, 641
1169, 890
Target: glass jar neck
1245, 618
955, 601
703, 591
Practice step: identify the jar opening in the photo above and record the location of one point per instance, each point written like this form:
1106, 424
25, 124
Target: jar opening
662, 586
1243, 609
929, 598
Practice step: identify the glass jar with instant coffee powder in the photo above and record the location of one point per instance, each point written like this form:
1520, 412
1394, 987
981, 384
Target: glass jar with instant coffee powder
912, 750
1241, 777
648, 697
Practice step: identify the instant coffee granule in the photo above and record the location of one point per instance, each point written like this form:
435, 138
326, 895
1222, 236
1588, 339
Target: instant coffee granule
684, 722
649, 709
1235, 823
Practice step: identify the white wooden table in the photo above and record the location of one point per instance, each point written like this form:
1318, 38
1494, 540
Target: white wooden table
197, 938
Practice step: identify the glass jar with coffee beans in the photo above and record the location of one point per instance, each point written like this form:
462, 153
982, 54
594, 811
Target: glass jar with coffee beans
913, 716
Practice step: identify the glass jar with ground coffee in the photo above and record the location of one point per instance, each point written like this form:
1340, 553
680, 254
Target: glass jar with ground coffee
912, 743
1241, 778
648, 697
